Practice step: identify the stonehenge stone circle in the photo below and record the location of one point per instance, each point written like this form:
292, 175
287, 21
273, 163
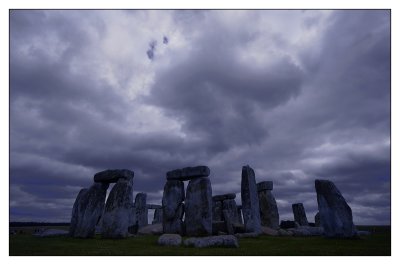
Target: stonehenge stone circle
335, 214
299, 214
250, 202
141, 209
173, 207
87, 210
198, 207
112, 175
188, 173
268, 208
118, 212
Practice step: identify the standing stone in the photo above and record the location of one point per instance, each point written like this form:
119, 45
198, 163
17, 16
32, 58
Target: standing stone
87, 210
268, 208
158, 214
230, 207
217, 211
141, 210
335, 214
118, 213
317, 220
250, 203
198, 207
173, 207
228, 222
299, 214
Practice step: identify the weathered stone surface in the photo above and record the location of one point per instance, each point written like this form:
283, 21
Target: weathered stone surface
217, 210
231, 208
228, 196
283, 232
335, 214
218, 226
188, 173
239, 228
268, 209
112, 175
76, 212
173, 207
141, 209
287, 224
153, 206
269, 231
118, 214
198, 207
170, 240
228, 222
317, 220
158, 216
307, 231
250, 202
247, 235
87, 210
299, 213
363, 233
212, 241
154, 229
51, 232
265, 185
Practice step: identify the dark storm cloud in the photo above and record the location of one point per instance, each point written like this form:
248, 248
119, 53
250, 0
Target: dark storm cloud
243, 93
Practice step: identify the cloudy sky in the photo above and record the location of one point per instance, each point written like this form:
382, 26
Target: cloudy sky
297, 95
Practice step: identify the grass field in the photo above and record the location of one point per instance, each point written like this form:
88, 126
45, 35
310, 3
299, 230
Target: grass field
378, 244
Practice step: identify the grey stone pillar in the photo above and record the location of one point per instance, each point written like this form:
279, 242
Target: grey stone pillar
268, 208
117, 217
87, 210
335, 214
299, 214
250, 202
141, 209
173, 207
198, 207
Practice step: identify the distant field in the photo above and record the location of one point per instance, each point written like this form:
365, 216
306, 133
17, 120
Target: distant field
378, 244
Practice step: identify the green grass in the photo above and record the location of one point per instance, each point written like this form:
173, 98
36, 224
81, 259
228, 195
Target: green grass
378, 244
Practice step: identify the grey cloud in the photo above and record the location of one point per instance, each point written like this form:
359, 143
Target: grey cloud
327, 116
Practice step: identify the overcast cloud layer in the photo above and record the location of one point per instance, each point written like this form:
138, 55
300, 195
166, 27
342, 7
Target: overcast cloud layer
297, 95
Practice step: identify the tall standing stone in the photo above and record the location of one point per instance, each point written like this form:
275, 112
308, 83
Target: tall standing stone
173, 207
299, 214
158, 216
87, 210
118, 214
198, 207
268, 208
250, 202
141, 209
335, 214
231, 210
217, 211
